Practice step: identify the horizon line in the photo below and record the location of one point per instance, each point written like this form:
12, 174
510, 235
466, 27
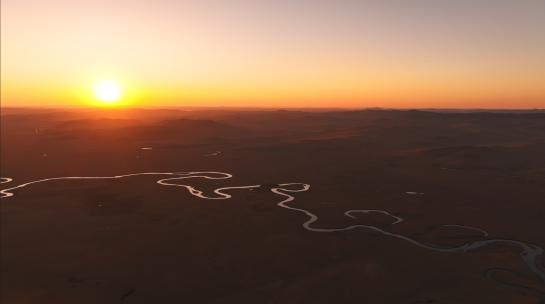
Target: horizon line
269, 108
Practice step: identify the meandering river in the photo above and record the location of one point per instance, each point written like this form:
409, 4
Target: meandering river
530, 254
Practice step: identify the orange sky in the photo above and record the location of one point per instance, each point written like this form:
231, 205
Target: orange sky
300, 53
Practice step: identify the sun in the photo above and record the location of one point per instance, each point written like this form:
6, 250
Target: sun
108, 92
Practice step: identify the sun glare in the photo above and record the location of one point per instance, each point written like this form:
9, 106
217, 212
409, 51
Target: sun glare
107, 92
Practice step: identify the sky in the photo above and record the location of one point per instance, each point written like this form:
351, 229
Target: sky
276, 53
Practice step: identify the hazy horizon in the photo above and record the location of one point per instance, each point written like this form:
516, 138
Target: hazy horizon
272, 108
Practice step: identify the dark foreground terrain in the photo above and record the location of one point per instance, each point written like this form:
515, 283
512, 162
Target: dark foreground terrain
446, 207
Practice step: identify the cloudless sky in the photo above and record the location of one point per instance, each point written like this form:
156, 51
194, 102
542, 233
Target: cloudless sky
277, 53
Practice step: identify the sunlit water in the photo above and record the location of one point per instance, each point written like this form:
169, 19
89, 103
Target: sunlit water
530, 254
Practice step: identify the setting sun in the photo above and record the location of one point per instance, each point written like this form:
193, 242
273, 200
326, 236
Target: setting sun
107, 92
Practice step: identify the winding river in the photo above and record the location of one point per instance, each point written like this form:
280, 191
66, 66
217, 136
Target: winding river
530, 254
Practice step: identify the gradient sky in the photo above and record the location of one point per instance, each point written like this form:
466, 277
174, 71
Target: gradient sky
278, 53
